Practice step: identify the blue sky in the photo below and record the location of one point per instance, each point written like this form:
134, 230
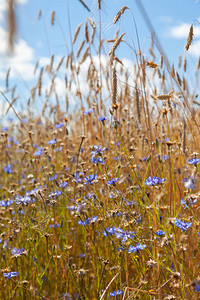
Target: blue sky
37, 39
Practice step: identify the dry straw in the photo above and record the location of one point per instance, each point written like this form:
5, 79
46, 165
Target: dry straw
114, 47
119, 14
11, 23
114, 86
76, 33
86, 32
189, 38
52, 17
80, 48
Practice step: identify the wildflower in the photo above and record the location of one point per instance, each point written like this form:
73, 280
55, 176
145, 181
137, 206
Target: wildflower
58, 149
97, 160
8, 169
97, 150
54, 225
154, 180
183, 225
39, 151
193, 161
186, 202
10, 274
190, 183
160, 232
88, 221
137, 248
23, 200
59, 125
110, 230
16, 251
63, 184
90, 110
6, 203
124, 235
52, 142
129, 203
116, 293
197, 288
89, 179
79, 176
102, 118
54, 177
4, 129
112, 181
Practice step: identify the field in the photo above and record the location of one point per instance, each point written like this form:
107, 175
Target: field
101, 201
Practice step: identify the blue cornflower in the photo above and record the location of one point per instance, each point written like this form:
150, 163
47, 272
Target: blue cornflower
137, 248
194, 161
10, 274
186, 202
54, 225
97, 160
88, 221
63, 184
90, 110
110, 230
54, 177
116, 293
124, 235
79, 176
97, 150
52, 142
89, 179
190, 183
102, 118
39, 151
4, 129
160, 232
6, 203
8, 169
129, 203
59, 125
16, 251
197, 288
23, 200
58, 149
112, 181
183, 225
154, 180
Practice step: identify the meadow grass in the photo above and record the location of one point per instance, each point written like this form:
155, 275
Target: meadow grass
102, 202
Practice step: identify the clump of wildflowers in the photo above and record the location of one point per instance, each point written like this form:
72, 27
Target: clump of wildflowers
160, 232
116, 293
193, 161
10, 274
137, 248
182, 224
154, 180
8, 169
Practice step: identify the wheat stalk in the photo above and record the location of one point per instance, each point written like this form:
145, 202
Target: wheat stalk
189, 38
80, 48
119, 14
76, 33
114, 47
114, 86
52, 17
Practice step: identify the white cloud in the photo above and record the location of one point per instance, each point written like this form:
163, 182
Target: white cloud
181, 31
20, 62
195, 49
